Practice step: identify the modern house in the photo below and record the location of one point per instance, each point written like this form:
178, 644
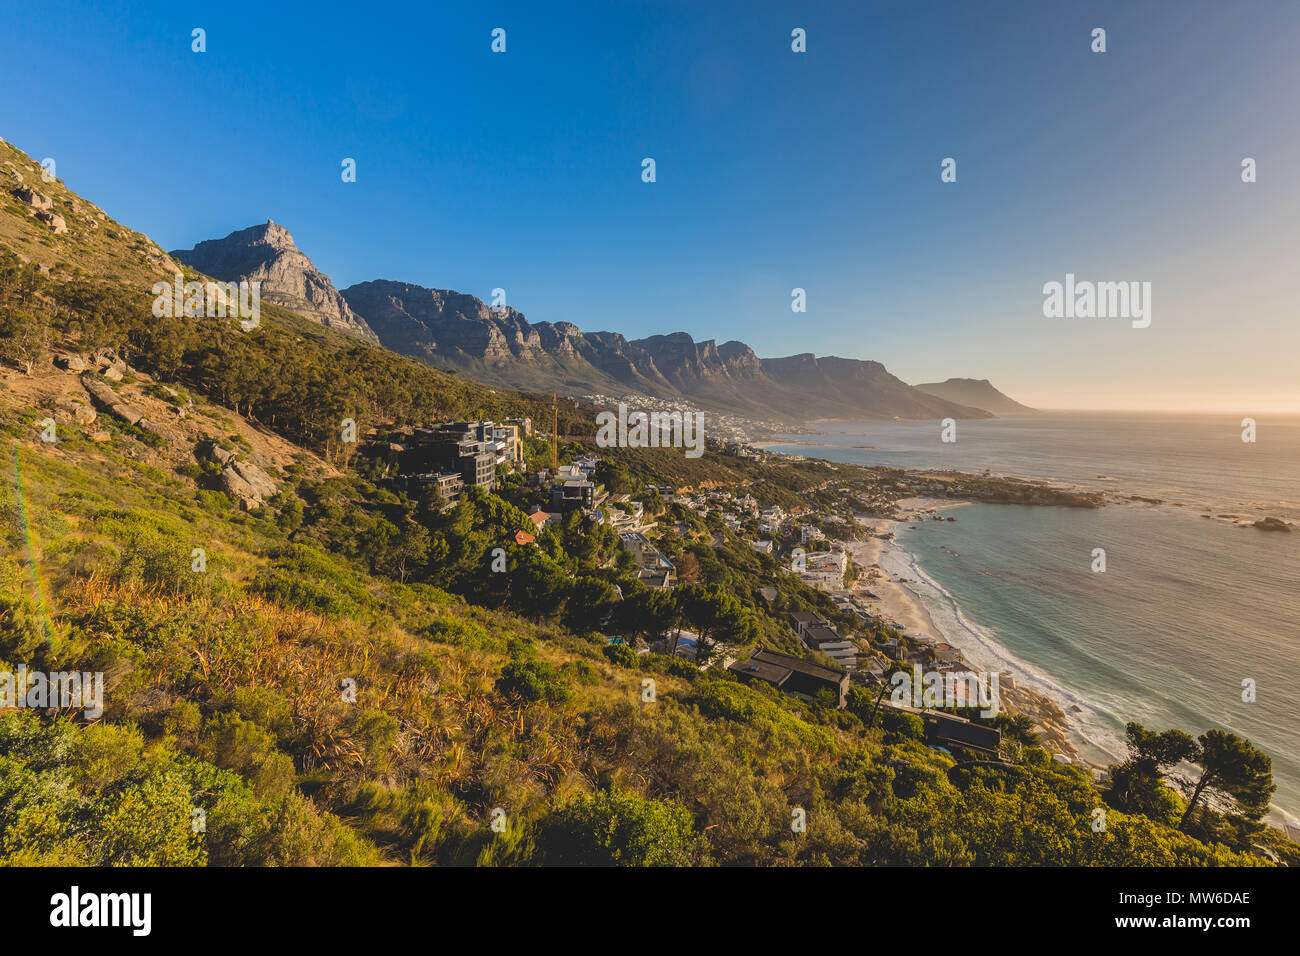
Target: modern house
802, 619
821, 637
454, 447
573, 493
792, 675
656, 570
826, 571
952, 731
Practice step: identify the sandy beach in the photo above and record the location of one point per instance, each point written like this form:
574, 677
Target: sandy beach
894, 601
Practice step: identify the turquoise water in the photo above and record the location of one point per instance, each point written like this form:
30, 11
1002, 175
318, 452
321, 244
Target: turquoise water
1186, 610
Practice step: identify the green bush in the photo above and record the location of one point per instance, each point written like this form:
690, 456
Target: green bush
533, 681
621, 828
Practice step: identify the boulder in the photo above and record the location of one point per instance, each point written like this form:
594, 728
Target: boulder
145, 425
84, 414
100, 394
72, 363
128, 413
1271, 524
33, 198
246, 482
261, 483
55, 222
211, 451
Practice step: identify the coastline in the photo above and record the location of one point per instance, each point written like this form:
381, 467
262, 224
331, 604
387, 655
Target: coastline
890, 597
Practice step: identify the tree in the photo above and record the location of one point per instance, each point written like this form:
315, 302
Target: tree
538, 585
591, 602
411, 547
647, 613
26, 336
1233, 771
715, 615
1137, 785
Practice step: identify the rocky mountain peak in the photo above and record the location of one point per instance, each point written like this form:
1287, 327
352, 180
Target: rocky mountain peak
266, 253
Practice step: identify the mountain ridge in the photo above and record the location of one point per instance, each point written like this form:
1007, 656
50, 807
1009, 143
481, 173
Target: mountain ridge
497, 345
500, 346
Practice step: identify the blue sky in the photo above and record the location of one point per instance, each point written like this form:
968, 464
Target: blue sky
819, 170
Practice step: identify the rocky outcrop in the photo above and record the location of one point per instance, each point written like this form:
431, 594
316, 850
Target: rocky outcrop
110, 401
267, 254
243, 481
57, 223
36, 200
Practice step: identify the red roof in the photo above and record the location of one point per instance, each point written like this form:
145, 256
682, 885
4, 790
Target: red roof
539, 517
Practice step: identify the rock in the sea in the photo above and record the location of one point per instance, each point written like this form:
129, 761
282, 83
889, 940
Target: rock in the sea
1271, 524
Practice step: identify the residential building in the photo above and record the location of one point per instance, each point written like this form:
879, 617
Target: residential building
824, 638
573, 493
453, 447
792, 675
951, 731
826, 571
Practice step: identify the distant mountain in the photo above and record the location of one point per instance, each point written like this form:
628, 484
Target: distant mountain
978, 392
460, 332
457, 331
267, 254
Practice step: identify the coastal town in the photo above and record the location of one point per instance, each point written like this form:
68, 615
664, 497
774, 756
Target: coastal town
831, 538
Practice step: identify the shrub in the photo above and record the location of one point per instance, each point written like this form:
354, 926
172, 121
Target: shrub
533, 681
621, 828
621, 655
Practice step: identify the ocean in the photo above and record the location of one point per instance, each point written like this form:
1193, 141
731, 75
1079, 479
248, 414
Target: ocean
1188, 607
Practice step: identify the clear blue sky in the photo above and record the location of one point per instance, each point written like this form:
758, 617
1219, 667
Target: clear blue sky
775, 169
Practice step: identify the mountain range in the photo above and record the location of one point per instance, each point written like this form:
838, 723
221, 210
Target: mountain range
499, 346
